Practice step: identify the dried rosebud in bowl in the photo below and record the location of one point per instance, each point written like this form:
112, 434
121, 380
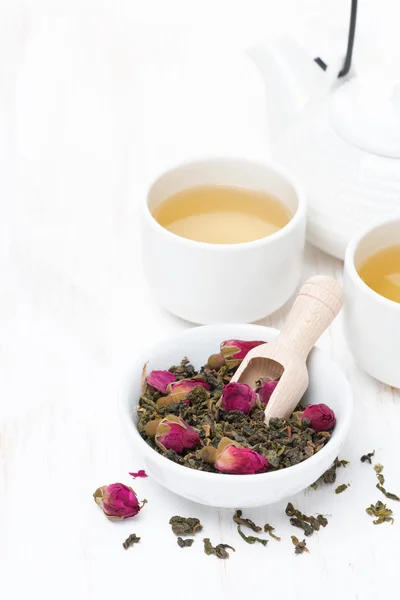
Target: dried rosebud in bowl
231, 457
160, 379
232, 352
321, 417
178, 391
118, 501
173, 433
266, 391
238, 396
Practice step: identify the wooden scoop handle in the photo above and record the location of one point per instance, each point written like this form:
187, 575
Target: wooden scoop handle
319, 301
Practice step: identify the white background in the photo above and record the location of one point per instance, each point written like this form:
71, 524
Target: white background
95, 98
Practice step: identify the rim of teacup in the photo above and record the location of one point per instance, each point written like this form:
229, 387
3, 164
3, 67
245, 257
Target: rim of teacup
349, 261
298, 216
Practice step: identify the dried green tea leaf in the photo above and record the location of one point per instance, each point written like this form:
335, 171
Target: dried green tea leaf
185, 526
330, 475
237, 517
306, 527
387, 494
378, 468
315, 524
322, 520
380, 478
367, 457
185, 543
219, 550
251, 539
299, 547
269, 529
381, 511
130, 540
341, 488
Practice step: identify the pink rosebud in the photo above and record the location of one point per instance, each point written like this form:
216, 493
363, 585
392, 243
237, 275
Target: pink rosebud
140, 473
184, 386
173, 433
321, 417
178, 391
160, 379
238, 396
234, 351
266, 390
118, 501
233, 458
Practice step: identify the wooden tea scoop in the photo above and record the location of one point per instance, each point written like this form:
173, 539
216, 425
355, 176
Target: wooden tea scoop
318, 303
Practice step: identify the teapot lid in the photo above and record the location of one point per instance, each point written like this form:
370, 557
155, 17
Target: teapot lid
367, 114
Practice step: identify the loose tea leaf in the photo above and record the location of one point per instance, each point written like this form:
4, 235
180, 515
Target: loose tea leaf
306, 527
183, 543
378, 468
330, 475
380, 510
322, 520
342, 488
367, 457
185, 526
380, 478
269, 529
237, 517
130, 540
387, 494
219, 550
299, 547
251, 539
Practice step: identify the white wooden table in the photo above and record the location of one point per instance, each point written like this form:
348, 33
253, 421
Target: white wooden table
93, 102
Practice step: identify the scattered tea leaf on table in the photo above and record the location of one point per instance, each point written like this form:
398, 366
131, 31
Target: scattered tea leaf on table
185, 526
300, 547
306, 527
237, 517
378, 468
269, 529
341, 488
367, 457
130, 540
381, 511
251, 539
219, 550
185, 543
322, 520
387, 494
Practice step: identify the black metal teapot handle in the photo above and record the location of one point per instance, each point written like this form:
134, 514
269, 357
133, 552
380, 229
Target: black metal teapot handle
350, 43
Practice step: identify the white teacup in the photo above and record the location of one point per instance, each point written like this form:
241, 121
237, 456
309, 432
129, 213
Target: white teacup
372, 322
215, 283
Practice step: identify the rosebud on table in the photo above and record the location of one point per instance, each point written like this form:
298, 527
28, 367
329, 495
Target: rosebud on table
118, 501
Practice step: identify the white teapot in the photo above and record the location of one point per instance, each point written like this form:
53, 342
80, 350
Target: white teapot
339, 136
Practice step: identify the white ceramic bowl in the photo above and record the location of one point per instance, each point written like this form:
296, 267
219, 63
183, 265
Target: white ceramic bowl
327, 384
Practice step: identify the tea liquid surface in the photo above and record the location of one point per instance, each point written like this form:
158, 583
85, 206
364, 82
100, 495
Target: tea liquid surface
381, 272
222, 214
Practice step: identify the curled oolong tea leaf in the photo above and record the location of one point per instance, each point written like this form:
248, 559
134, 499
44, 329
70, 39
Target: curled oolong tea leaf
199, 419
130, 540
330, 475
382, 512
185, 543
299, 547
378, 468
237, 517
251, 539
367, 457
219, 550
269, 529
341, 488
185, 526
307, 524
